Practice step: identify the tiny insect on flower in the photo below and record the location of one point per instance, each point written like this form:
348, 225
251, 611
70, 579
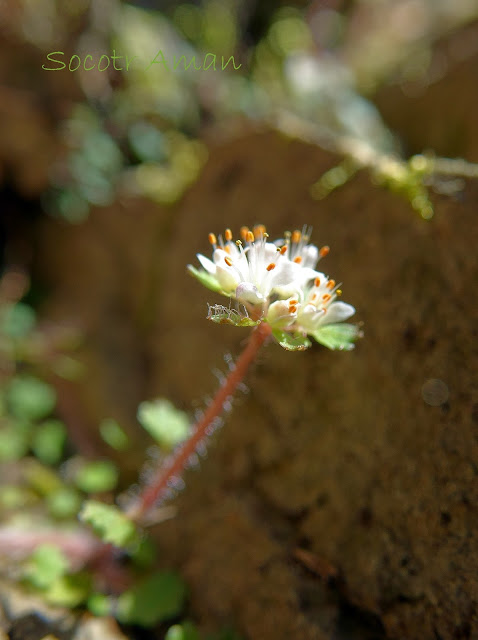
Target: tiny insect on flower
277, 282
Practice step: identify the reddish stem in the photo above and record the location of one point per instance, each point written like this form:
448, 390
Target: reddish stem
175, 464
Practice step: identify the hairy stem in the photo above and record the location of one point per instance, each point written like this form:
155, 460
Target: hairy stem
173, 466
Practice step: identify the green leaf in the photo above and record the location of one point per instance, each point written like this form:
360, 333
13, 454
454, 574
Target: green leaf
205, 278
65, 502
338, 336
29, 398
14, 442
166, 424
110, 524
225, 315
113, 434
47, 564
48, 441
69, 591
184, 631
93, 477
291, 342
18, 320
100, 605
156, 599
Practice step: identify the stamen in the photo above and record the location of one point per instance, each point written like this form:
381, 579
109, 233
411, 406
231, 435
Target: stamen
238, 243
271, 266
339, 292
212, 239
326, 297
259, 231
313, 297
249, 236
324, 251
227, 249
283, 249
228, 261
228, 235
298, 260
292, 302
317, 282
296, 236
244, 231
330, 284
292, 309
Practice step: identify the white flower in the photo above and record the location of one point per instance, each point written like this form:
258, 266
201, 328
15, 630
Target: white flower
277, 283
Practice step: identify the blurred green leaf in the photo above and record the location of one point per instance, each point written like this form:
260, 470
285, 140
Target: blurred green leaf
18, 320
205, 278
111, 525
46, 565
100, 605
93, 477
64, 502
69, 591
156, 599
184, 631
29, 398
14, 442
113, 434
48, 441
166, 424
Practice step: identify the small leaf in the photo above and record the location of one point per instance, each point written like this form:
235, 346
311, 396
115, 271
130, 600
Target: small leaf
184, 631
64, 502
205, 278
338, 336
100, 605
225, 315
69, 591
18, 320
47, 564
113, 434
158, 598
13, 442
291, 342
100, 475
166, 424
111, 525
48, 441
29, 398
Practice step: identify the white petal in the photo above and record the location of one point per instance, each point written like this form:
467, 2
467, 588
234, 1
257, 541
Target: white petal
227, 277
206, 264
309, 317
247, 292
337, 312
278, 315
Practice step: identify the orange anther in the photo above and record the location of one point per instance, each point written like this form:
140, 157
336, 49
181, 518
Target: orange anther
298, 260
283, 249
271, 266
259, 231
312, 297
324, 251
326, 297
228, 235
296, 236
227, 249
330, 284
228, 261
292, 309
317, 282
250, 236
212, 239
244, 231
293, 302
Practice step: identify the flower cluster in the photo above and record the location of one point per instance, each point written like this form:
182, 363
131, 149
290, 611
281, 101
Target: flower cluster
277, 282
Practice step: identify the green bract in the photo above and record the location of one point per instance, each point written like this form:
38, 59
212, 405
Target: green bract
111, 525
338, 336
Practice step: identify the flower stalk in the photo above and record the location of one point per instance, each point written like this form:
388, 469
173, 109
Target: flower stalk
175, 464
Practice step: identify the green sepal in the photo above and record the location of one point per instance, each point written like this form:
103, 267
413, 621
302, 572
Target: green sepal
225, 315
110, 524
296, 342
338, 336
205, 278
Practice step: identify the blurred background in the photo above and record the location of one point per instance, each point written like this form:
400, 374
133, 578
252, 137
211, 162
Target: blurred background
345, 507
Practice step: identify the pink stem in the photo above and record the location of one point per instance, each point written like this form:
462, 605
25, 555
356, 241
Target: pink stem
175, 464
